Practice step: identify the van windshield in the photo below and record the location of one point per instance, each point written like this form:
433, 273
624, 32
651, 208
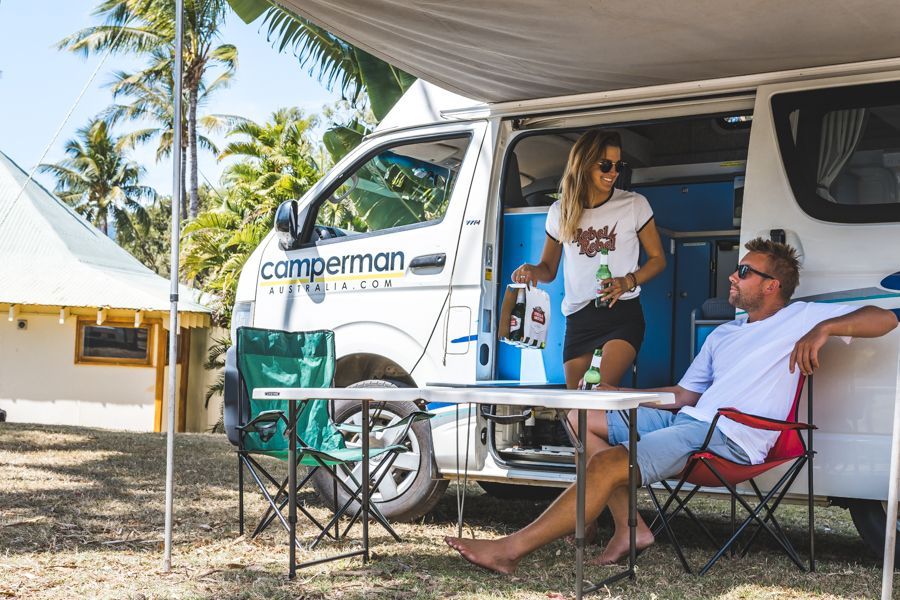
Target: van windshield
402, 185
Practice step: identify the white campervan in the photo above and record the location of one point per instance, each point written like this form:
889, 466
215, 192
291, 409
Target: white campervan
449, 195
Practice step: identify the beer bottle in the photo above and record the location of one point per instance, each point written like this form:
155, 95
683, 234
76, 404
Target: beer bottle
517, 317
592, 375
603, 272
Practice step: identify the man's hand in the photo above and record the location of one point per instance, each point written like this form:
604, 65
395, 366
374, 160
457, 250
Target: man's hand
806, 351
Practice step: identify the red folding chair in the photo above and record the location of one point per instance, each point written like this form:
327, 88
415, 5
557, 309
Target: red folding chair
705, 469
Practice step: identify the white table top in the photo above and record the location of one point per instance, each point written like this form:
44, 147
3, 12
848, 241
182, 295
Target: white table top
548, 398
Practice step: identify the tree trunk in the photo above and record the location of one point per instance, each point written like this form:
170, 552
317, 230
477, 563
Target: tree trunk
192, 140
183, 194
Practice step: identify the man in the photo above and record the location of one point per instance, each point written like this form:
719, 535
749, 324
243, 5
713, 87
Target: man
749, 363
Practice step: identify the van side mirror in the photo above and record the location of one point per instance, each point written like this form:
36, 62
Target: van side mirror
288, 224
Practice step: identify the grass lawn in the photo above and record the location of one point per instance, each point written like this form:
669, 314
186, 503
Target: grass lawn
81, 516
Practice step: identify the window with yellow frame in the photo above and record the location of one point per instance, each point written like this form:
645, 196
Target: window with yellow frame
113, 343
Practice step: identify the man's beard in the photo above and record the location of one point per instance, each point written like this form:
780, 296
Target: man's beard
741, 301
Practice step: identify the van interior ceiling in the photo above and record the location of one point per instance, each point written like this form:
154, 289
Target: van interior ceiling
691, 170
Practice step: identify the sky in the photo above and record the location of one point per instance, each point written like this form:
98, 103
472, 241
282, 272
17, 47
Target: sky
39, 85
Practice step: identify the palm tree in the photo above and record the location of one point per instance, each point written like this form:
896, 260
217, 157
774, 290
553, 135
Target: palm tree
148, 27
151, 102
276, 163
331, 59
335, 63
101, 184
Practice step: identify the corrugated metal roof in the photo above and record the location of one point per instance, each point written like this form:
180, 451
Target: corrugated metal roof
51, 255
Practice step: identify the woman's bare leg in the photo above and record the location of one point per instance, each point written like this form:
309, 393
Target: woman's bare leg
606, 473
618, 356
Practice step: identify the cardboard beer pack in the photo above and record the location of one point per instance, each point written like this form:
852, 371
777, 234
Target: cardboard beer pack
537, 316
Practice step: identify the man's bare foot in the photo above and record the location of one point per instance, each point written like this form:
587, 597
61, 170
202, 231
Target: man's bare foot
617, 548
488, 554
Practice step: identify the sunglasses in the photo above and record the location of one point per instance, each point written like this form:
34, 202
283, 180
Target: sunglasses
744, 270
607, 165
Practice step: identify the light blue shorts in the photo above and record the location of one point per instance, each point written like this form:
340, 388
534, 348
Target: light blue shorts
667, 440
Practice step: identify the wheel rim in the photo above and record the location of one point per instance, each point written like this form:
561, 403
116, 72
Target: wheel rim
403, 471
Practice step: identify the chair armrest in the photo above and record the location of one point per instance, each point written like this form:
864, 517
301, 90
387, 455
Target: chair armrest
766, 423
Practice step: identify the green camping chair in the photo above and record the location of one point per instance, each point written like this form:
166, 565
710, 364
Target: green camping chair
272, 358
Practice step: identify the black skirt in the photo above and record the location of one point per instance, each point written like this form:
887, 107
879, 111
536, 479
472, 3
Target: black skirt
591, 327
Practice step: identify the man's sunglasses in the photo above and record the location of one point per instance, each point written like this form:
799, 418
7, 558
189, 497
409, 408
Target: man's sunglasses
606, 165
744, 270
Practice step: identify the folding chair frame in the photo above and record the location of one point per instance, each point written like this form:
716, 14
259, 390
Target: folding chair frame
280, 498
764, 503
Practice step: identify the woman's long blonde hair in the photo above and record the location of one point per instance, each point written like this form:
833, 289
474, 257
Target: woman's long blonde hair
576, 181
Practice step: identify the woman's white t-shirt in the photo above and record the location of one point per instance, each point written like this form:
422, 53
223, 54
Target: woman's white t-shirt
613, 225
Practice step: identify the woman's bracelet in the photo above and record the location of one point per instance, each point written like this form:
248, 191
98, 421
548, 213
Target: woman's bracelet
634, 282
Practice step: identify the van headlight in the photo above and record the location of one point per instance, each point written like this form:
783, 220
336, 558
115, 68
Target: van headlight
241, 316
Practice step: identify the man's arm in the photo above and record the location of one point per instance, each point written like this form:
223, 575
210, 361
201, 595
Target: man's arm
683, 397
867, 322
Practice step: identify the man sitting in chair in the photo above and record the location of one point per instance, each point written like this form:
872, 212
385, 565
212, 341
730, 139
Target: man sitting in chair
749, 364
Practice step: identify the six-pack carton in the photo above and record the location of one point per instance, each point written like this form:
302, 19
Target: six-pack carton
537, 316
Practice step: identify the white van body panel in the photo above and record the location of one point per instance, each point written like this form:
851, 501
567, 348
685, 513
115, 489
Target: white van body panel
424, 104
854, 394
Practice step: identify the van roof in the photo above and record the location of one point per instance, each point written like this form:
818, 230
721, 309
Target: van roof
510, 50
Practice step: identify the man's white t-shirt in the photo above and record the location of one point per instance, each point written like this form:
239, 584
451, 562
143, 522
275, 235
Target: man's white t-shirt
745, 366
613, 225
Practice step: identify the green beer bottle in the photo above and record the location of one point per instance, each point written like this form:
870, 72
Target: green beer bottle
592, 375
603, 272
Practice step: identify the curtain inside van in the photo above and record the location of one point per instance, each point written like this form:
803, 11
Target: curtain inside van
841, 132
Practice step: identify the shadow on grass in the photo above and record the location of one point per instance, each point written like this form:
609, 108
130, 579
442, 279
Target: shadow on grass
68, 490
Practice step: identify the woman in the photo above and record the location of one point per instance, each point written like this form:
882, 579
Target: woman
590, 216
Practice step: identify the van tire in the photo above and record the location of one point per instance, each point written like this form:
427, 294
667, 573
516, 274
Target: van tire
419, 489
514, 491
869, 518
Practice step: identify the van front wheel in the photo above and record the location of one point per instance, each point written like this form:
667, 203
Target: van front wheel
409, 490
869, 516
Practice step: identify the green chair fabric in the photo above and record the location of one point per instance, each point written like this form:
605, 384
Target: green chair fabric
271, 358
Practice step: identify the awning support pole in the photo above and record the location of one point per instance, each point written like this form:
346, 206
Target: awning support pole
890, 529
173, 276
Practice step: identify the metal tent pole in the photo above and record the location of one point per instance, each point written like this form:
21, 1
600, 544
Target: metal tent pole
173, 277
890, 529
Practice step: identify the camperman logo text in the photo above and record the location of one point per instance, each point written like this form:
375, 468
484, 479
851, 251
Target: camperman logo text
333, 273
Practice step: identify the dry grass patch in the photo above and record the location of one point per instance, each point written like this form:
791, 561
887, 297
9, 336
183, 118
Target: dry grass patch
81, 515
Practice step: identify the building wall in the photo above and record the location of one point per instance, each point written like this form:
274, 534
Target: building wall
198, 417
40, 382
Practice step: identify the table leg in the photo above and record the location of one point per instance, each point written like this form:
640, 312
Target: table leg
365, 479
292, 488
632, 490
580, 467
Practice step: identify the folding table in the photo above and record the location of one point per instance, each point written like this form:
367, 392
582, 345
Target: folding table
581, 400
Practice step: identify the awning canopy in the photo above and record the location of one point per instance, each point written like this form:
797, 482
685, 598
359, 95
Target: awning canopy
506, 50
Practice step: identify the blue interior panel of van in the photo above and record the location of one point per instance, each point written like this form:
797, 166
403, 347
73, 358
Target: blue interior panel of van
667, 300
523, 241
705, 206
700, 334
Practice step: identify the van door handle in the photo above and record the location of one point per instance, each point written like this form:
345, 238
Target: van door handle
428, 261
